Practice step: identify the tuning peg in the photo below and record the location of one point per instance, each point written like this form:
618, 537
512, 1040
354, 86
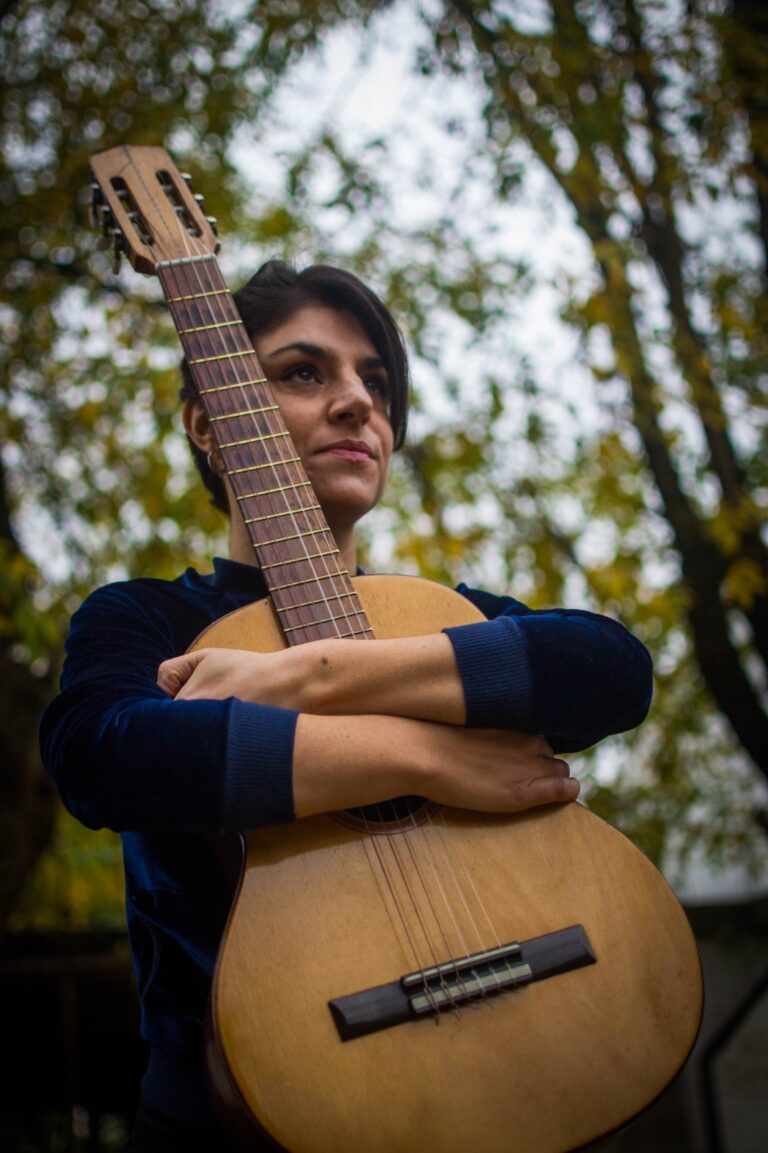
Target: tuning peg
214, 224
95, 206
198, 196
186, 177
120, 247
104, 218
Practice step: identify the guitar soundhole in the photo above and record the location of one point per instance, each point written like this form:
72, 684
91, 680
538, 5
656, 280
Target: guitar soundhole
387, 816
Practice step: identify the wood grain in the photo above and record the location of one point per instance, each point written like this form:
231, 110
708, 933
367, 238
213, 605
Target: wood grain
324, 911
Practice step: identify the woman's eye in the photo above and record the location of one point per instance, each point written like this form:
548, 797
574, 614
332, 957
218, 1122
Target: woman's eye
304, 373
378, 385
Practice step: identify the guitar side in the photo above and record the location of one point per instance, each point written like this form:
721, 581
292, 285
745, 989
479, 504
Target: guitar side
544, 1068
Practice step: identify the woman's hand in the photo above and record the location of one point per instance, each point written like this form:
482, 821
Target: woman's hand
494, 770
215, 674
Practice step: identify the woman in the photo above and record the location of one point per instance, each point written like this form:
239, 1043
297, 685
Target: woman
181, 753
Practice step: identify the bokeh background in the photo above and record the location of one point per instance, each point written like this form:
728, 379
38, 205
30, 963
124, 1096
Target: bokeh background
565, 202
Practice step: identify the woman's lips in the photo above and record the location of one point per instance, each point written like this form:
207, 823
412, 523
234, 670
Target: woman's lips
348, 451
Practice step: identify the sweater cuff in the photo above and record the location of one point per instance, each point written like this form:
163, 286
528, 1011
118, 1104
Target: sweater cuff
258, 781
495, 673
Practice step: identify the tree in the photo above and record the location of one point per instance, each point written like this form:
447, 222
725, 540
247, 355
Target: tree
649, 118
663, 113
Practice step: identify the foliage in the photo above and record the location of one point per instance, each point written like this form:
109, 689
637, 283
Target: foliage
77, 885
623, 468
651, 120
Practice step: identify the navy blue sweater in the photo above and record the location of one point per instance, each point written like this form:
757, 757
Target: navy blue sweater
179, 779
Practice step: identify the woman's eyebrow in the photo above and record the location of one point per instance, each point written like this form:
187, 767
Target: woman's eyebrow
317, 350
371, 362
303, 347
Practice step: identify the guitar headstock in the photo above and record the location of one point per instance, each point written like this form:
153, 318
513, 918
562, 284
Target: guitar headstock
146, 209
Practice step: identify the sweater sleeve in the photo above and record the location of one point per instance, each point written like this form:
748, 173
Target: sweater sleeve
573, 676
126, 756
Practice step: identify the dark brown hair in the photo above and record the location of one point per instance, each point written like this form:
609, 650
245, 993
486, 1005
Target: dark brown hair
274, 294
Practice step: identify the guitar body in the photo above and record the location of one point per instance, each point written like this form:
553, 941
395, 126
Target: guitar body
320, 914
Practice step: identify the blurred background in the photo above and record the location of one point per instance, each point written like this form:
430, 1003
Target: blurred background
565, 203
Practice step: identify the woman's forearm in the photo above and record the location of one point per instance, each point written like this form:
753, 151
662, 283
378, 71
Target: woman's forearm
346, 761
407, 677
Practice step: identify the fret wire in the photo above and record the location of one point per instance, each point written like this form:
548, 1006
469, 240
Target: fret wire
365, 629
244, 412
321, 621
181, 280
209, 327
285, 512
222, 356
188, 282
272, 491
197, 295
267, 464
314, 580
237, 384
319, 601
254, 439
192, 316
309, 556
295, 535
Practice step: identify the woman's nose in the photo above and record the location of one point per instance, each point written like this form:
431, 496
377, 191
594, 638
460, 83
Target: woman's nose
350, 399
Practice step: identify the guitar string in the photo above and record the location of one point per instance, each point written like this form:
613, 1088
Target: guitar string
438, 880
390, 841
481, 943
195, 269
374, 833
211, 317
215, 370
420, 835
479, 901
215, 373
195, 253
178, 277
341, 598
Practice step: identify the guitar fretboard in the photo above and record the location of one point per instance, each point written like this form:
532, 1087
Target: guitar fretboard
296, 551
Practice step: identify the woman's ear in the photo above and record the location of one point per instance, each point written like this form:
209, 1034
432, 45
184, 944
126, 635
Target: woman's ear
197, 425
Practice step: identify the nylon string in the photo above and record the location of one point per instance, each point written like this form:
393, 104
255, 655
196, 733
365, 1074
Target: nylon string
192, 264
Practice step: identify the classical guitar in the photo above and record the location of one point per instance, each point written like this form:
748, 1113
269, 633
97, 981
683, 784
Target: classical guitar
401, 978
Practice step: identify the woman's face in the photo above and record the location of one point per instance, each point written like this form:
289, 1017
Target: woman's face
333, 393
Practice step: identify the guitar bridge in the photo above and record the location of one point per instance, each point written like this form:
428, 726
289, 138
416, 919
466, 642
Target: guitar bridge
457, 982
477, 975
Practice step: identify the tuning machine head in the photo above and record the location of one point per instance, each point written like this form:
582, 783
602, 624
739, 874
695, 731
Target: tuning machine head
119, 247
95, 206
102, 217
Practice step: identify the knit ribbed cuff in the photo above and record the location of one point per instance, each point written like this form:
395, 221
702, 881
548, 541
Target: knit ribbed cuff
258, 786
495, 673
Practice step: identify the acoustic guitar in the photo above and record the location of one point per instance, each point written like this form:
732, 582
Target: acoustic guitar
401, 978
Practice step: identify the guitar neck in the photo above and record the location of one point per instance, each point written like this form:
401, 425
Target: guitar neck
310, 588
